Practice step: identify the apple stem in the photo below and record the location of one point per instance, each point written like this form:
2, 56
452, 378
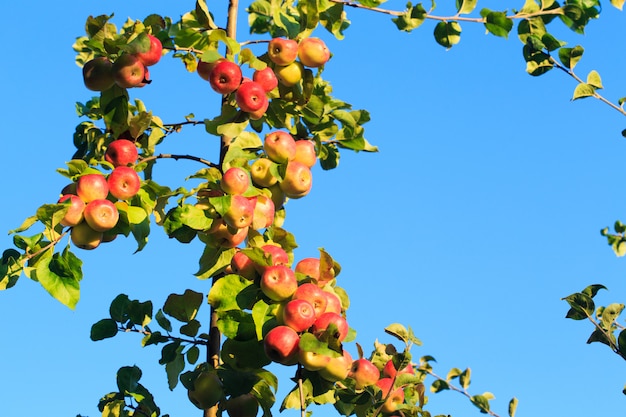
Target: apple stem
177, 157
301, 391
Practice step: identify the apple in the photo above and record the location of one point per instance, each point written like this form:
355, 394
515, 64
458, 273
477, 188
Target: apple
282, 51
281, 345
124, 183
279, 146
333, 303
98, 74
250, 96
298, 314
204, 68
121, 152
245, 405
128, 71
389, 370
313, 52
298, 180
242, 265
266, 78
261, 174
395, 398
146, 79
338, 368
69, 189
91, 187
152, 55
101, 215
235, 181
260, 112
207, 390
225, 77
289, 75
277, 195
323, 322
314, 295
84, 237
276, 256
74, 214
220, 235
240, 212
278, 282
364, 373
263, 212
305, 153
312, 361
309, 267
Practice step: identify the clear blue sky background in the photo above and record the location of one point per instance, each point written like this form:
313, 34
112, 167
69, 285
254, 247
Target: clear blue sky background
481, 211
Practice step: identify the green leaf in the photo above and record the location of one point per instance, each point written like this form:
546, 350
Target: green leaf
128, 378
618, 4
465, 378
411, 19
193, 354
232, 292
173, 369
183, 307
163, 321
10, 269
583, 90
497, 23
592, 290
582, 306
599, 335
103, 329
481, 401
530, 6
60, 275
439, 385
447, 34
190, 329
248, 354
465, 6
570, 56
261, 311
213, 261
593, 79
512, 406
398, 331
610, 314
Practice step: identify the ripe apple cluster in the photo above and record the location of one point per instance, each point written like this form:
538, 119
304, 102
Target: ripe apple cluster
130, 69
289, 57
92, 213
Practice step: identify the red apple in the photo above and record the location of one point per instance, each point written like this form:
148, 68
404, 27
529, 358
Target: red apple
240, 212
121, 152
290, 75
204, 68
282, 51
298, 314
313, 52
250, 96
389, 370
309, 267
396, 397
261, 174
101, 215
276, 256
314, 295
242, 265
124, 183
128, 71
225, 77
245, 405
333, 303
235, 181
298, 180
84, 237
91, 187
74, 214
323, 322
281, 345
279, 146
98, 74
364, 373
337, 369
146, 79
264, 211
220, 235
278, 282
260, 112
266, 78
305, 153
152, 55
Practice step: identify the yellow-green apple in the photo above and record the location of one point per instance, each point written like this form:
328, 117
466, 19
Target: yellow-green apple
91, 187
240, 212
128, 71
235, 181
250, 96
314, 295
124, 182
312, 361
261, 173
298, 180
305, 153
153, 54
121, 152
225, 77
84, 237
281, 345
309, 267
327, 321
101, 215
290, 75
245, 405
219, 234
313, 52
337, 369
275, 255
279, 146
395, 398
277, 195
298, 314
242, 265
260, 112
333, 303
390, 371
282, 51
266, 78
74, 214
364, 373
98, 74
278, 282
263, 212
204, 68
207, 390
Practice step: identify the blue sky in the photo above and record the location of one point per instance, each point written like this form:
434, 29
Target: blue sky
480, 212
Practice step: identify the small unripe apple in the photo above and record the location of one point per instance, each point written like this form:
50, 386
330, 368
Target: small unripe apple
101, 215
313, 52
279, 146
207, 390
278, 282
235, 181
250, 96
290, 75
312, 361
84, 237
298, 314
281, 345
245, 405
152, 55
266, 78
91, 187
298, 180
261, 174
305, 153
121, 152
337, 369
282, 51
98, 74
74, 214
124, 183
128, 71
225, 77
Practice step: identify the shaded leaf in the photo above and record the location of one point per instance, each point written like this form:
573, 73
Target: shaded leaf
183, 307
447, 34
103, 329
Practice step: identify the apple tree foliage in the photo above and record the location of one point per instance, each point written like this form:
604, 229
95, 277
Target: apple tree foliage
240, 313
